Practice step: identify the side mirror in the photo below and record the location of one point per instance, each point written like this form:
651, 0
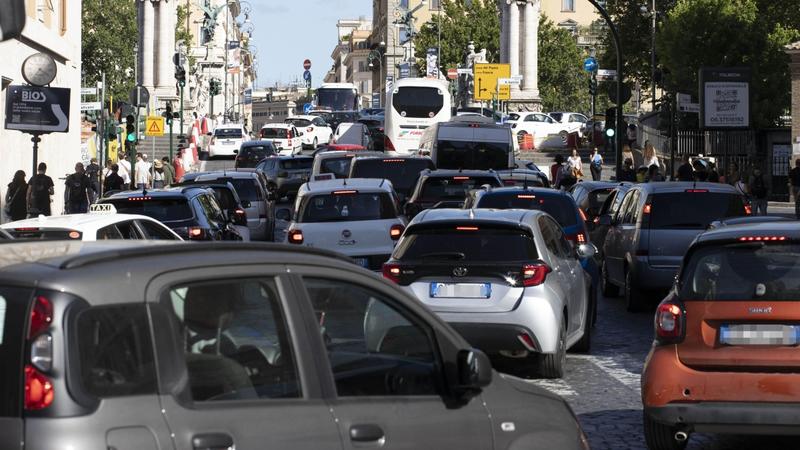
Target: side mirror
246, 203
283, 214
605, 220
585, 251
474, 372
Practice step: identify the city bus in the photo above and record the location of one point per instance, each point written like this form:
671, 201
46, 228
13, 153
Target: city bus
337, 97
412, 105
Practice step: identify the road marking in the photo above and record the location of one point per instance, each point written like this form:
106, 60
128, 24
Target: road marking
559, 387
616, 368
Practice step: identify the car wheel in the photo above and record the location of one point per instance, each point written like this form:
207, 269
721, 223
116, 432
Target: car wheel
609, 289
633, 296
661, 437
584, 345
551, 365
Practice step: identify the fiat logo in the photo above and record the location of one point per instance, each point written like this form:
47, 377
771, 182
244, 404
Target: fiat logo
346, 234
460, 271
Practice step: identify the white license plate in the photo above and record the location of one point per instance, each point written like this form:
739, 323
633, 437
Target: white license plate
227, 142
363, 262
758, 334
461, 290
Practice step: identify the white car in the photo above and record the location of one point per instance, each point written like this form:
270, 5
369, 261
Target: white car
358, 217
575, 121
352, 133
315, 130
286, 138
540, 125
336, 164
102, 222
226, 140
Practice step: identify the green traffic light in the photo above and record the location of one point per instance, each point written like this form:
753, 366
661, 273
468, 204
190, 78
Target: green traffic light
131, 137
610, 132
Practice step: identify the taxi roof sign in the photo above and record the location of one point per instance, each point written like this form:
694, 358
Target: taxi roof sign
154, 126
102, 208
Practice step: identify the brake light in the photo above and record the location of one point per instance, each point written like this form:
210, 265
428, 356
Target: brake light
38, 389
762, 238
347, 192
196, 233
41, 316
288, 134
26, 229
647, 208
534, 274
467, 228
670, 322
748, 210
387, 143
396, 231
526, 196
578, 238
474, 125
139, 199
391, 272
461, 178
398, 160
696, 191
295, 237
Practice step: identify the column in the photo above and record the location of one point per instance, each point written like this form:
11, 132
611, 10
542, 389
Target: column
503, 31
147, 37
166, 43
513, 36
531, 50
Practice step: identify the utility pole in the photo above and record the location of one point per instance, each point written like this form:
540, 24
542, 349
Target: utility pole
653, 54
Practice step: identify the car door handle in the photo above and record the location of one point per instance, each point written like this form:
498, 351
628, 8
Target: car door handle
366, 433
212, 441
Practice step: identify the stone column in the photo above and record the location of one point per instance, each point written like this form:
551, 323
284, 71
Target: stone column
146, 47
513, 36
531, 49
503, 31
166, 43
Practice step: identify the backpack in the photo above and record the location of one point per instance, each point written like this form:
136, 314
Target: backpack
76, 188
759, 187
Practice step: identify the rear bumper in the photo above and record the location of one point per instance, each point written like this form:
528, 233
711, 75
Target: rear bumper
493, 337
221, 150
731, 417
289, 186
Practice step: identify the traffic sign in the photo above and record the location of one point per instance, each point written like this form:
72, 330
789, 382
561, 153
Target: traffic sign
508, 81
307, 108
590, 64
140, 96
154, 126
307, 75
464, 71
485, 76
91, 106
606, 74
88, 91
307, 64
452, 73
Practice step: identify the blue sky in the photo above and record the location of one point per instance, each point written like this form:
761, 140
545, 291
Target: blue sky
288, 31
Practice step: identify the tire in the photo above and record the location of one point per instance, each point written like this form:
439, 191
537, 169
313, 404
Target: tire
584, 345
633, 296
551, 365
609, 289
659, 436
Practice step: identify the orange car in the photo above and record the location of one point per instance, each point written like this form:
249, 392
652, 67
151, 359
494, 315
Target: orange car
726, 357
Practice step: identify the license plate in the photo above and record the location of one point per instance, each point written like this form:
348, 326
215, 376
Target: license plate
760, 334
227, 142
363, 262
461, 290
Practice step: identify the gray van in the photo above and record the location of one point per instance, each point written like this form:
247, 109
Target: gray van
468, 144
649, 234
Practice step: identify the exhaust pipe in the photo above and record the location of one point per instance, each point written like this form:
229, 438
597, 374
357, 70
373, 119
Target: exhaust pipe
681, 436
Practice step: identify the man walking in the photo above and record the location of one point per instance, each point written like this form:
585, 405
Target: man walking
759, 192
77, 192
169, 171
142, 173
40, 188
794, 178
93, 172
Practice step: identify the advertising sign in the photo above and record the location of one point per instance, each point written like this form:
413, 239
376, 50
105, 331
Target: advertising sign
234, 57
432, 63
33, 109
724, 98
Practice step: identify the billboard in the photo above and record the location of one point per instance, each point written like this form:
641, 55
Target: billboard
724, 98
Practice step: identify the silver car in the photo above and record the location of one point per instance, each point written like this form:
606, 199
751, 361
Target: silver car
257, 201
508, 281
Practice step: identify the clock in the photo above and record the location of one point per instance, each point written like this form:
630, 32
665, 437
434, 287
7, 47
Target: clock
39, 69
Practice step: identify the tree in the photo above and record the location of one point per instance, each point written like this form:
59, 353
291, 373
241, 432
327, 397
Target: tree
182, 33
109, 33
563, 85
731, 33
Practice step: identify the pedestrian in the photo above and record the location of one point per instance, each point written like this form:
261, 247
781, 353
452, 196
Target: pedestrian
794, 179
630, 134
596, 165
148, 163
759, 192
555, 168
113, 147
700, 170
685, 171
141, 173
566, 177
627, 173
649, 155
641, 174
107, 168
733, 176
169, 171
177, 165
113, 181
93, 172
125, 173
158, 174
653, 174
16, 208
713, 175
76, 195
575, 164
627, 153
40, 188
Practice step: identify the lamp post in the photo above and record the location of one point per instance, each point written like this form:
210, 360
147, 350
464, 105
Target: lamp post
653, 16
376, 54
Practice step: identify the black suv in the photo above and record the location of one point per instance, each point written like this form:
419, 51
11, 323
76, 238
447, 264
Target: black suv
251, 152
402, 171
194, 213
285, 174
446, 189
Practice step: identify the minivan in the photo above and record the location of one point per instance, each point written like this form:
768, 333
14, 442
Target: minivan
468, 144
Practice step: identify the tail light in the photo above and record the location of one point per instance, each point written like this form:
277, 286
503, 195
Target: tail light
41, 317
670, 322
295, 237
534, 274
387, 143
197, 233
396, 231
748, 210
39, 391
288, 134
391, 272
578, 238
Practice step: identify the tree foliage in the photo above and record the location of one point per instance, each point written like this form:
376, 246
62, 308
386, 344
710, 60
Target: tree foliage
109, 32
183, 33
563, 85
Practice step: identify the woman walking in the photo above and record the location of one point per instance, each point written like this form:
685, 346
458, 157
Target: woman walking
16, 203
596, 165
575, 164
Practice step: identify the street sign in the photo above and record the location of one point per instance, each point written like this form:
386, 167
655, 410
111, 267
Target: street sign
140, 96
37, 110
725, 97
606, 75
464, 71
452, 73
307, 108
693, 108
91, 106
154, 126
376, 99
307, 64
517, 78
88, 91
485, 76
508, 81
590, 64
307, 75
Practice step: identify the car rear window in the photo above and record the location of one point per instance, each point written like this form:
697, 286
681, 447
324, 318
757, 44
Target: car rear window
347, 207
402, 172
228, 133
597, 197
693, 210
744, 271
161, 209
46, 234
274, 133
298, 122
486, 244
418, 102
13, 314
339, 167
473, 155
258, 151
226, 199
558, 206
442, 188
297, 164
247, 188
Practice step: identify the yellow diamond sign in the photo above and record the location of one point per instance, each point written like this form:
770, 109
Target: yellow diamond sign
485, 77
154, 126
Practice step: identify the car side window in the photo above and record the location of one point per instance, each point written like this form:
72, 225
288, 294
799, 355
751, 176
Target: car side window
607, 205
109, 232
550, 237
374, 347
530, 118
212, 209
155, 231
630, 207
128, 230
236, 344
115, 351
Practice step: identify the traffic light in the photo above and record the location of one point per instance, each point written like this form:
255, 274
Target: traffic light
592, 86
180, 76
611, 121
130, 128
168, 115
215, 87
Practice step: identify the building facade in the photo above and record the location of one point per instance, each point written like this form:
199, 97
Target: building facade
52, 27
794, 65
579, 17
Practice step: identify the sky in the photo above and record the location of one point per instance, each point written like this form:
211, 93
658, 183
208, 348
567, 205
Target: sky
288, 31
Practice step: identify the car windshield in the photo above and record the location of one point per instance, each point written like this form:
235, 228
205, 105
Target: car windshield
339, 167
247, 188
161, 209
744, 271
274, 133
486, 244
296, 164
298, 122
693, 210
473, 155
346, 207
228, 133
452, 188
558, 206
402, 172
258, 152
418, 102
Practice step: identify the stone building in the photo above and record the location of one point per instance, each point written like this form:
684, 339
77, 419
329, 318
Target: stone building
794, 53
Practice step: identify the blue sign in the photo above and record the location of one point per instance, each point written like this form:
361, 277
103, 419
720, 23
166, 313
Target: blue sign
590, 64
307, 108
307, 75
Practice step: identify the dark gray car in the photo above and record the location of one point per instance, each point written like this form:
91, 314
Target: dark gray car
285, 174
218, 346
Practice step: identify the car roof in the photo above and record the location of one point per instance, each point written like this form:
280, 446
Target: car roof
341, 153
543, 191
229, 126
257, 143
210, 176
79, 222
285, 157
657, 187
168, 192
387, 157
327, 186
592, 185
456, 173
789, 229
277, 125
302, 116
501, 216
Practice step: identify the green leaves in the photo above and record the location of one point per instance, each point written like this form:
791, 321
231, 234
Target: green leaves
563, 84
109, 33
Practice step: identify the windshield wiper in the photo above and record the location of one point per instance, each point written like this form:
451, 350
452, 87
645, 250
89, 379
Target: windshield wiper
443, 255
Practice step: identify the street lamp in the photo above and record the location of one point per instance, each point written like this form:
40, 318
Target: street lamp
654, 16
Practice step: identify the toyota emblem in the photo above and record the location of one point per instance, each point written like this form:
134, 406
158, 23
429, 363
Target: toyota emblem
460, 271
346, 234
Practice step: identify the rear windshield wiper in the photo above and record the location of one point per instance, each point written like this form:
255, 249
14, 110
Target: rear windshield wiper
443, 255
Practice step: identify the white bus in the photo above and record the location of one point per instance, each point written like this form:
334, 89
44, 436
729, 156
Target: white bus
337, 97
412, 105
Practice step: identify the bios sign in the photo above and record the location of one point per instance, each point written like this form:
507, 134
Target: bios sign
37, 110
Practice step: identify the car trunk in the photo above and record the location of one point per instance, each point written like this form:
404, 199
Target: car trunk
360, 238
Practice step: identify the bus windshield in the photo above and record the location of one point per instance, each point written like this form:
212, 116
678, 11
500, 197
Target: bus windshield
337, 99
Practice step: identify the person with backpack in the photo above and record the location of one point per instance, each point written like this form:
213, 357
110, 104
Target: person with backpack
40, 188
596, 165
113, 181
77, 193
93, 172
759, 191
794, 179
15, 207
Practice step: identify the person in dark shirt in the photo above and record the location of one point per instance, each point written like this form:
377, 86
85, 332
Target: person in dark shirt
685, 171
113, 181
627, 173
40, 188
77, 193
794, 179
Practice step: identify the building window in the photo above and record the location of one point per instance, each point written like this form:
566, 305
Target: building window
435, 5
567, 5
361, 66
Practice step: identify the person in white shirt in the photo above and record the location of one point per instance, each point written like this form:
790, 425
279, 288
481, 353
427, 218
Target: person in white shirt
575, 164
142, 173
649, 155
125, 172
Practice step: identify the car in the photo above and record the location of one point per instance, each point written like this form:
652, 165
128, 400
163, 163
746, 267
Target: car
402, 171
377, 133
523, 177
315, 130
508, 281
339, 148
353, 133
251, 152
467, 143
193, 213
746, 220
539, 125
652, 230
230, 203
598, 231
102, 222
284, 137
575, 121
558, 204
446, 188
590, 197
357, 217
285, 174
724, 355
335, 118
226, 140
336, 163
481, 111
170, 351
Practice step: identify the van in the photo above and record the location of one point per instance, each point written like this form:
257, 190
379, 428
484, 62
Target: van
469, 145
